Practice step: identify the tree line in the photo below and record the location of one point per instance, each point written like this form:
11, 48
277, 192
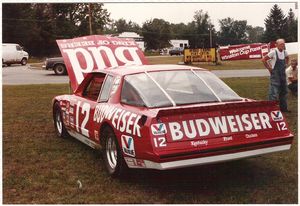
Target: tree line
36, 26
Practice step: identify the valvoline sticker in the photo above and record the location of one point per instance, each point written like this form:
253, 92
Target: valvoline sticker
128, 145
158, 129
276, 115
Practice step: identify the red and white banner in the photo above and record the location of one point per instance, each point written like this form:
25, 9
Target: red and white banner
243, 51
85, 54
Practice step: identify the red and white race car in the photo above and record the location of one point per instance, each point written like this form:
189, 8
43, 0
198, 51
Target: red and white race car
162, 116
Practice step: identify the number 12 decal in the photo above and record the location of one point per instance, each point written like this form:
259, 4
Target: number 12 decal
86, 112
281, 126
160, 142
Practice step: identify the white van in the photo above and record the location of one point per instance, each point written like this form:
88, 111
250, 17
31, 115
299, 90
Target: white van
14, 54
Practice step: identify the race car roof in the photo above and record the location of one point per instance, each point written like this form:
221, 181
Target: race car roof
135, 69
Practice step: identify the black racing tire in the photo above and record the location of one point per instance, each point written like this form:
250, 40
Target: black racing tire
112, 155
24, 61
59, 126
8, 64
60, 69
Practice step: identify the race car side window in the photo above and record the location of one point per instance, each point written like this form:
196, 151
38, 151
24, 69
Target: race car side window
105, 92
130, 96
93, 89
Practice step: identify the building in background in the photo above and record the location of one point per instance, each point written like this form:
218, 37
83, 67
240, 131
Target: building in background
179, 43
137, 38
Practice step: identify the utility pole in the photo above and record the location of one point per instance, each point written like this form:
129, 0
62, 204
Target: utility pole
90, 19
210, 36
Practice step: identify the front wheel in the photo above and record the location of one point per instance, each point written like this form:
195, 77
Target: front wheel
112, 155
60, 69
24, 61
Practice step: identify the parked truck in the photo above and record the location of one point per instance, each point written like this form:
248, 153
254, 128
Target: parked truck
13, 54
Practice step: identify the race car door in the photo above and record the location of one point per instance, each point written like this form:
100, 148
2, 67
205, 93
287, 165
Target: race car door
87, 101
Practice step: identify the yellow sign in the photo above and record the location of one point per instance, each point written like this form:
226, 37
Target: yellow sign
199, 55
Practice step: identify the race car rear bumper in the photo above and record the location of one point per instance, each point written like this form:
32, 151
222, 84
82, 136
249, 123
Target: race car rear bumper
211, 159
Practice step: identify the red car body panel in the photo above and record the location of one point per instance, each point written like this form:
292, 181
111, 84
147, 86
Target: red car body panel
181, 136
161, 137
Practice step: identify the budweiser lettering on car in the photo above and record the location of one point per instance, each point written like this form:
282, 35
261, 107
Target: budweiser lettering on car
159, 116
218, 125
122, 120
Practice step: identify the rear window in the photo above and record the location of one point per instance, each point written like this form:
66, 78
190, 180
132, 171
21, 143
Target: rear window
171, 88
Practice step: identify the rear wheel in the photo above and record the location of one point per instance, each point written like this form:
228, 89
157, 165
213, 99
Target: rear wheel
24, 61
58, 122
112, 155
60, 69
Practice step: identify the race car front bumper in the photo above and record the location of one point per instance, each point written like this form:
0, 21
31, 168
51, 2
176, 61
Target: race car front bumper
146, 164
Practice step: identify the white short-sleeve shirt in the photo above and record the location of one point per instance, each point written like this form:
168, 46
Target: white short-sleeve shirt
291, 73
272, 55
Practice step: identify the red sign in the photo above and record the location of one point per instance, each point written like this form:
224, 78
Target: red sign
243, 51
85, 54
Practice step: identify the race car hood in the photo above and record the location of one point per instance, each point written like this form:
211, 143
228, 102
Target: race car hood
85, 54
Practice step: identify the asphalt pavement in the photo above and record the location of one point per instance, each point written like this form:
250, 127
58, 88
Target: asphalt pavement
21, 75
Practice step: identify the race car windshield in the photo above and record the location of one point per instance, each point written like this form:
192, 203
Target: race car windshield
171, 88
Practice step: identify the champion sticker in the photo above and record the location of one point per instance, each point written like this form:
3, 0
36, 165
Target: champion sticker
158, 129
276, 116
128, 145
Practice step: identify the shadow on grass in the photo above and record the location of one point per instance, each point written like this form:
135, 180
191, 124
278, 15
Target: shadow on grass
206, 177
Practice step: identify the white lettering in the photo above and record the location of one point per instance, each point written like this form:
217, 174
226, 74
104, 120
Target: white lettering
202, 131
189, 134
78, 70
218, 124
255, 121
175, 131
232, 124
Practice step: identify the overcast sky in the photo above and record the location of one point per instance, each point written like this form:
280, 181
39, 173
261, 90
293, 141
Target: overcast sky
254, 13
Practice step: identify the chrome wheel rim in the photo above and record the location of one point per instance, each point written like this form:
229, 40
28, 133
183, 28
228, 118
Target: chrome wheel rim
111, 152
58, 123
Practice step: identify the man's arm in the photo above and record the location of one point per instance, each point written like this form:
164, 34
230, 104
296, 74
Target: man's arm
266, 63
287, 59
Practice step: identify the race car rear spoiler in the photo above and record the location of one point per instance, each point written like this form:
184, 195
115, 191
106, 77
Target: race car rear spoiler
215, 107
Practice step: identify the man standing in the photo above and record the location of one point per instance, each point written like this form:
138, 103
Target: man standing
275, 61
292, 76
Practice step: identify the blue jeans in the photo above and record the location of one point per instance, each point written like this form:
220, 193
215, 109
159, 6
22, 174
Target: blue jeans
279, 90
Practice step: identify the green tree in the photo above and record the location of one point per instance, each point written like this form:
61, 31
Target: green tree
292, 24
121, 25
201, 28
276, 25
100, 17
37, 26
232, 31
254, 34
156, 33
19, 25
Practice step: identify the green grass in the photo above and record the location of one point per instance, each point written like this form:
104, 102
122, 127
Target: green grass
39, 167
